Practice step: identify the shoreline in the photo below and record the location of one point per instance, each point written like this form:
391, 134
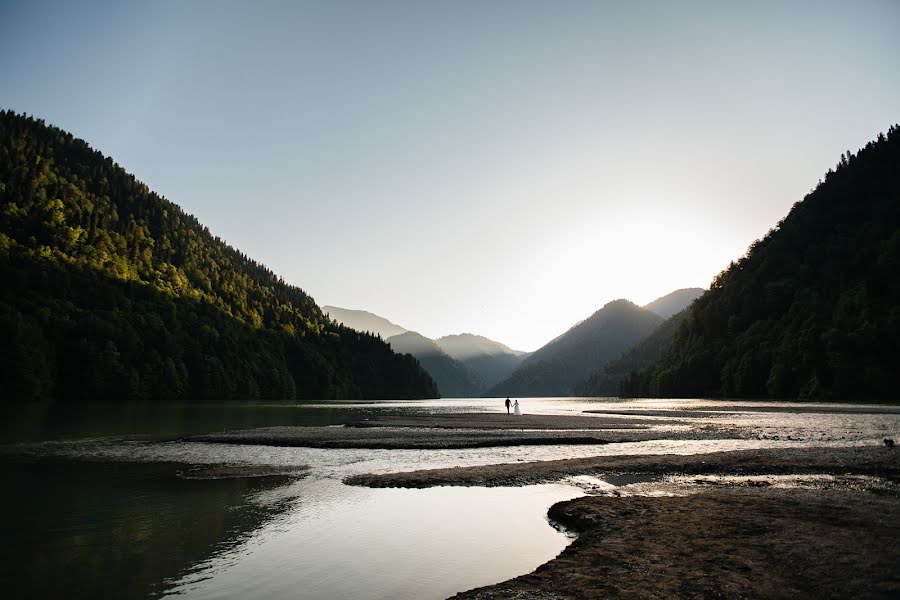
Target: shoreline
720, 544
471, 430
855, 460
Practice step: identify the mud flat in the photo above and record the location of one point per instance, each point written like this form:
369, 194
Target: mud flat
739, 543
478, 430
857, 460
504, 421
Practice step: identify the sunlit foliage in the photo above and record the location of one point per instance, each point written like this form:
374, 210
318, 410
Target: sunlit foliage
114, 293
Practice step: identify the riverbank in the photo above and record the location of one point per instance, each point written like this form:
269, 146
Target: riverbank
855, 460
735, 543
791, 522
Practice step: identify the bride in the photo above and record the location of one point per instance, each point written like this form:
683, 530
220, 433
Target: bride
516, 409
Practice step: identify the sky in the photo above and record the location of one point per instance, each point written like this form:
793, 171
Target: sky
499, 168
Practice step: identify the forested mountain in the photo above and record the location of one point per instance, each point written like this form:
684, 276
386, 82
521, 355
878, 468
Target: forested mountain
813, 309
361, 320
608, 379
452, 378
674, 303
488, 361
112, 293
557, 367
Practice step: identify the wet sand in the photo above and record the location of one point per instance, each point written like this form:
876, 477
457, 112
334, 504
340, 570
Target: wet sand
468, 430
721, 544
856, 460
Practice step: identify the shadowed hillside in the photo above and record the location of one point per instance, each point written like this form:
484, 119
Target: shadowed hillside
557, 367
674, 303
488, 361
608, 379
452, 378
813, 309
112, 293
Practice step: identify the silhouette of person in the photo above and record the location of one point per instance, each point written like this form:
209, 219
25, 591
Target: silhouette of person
516, 409
507, 405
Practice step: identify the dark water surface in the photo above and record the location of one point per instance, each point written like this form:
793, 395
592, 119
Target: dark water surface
115, 530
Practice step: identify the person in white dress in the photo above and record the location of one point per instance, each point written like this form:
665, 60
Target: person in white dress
516, 409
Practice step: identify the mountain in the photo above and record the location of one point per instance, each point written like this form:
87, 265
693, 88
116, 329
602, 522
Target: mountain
557, 367
112, 293
674, 303
489, 362
608, 379
813, 308
452, 378
361, 320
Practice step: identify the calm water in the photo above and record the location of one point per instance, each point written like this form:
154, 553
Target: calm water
95, 507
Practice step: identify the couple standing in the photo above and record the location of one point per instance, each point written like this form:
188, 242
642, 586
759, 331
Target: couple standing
516, 409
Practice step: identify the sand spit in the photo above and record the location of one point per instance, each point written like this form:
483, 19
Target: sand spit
739, 543
857, 460
475, 430
504, 421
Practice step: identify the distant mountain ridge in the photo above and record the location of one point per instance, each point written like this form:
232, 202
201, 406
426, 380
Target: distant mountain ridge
675, 302
609, 378
453, 378
361, 320
488, 361
556, 368
462, 365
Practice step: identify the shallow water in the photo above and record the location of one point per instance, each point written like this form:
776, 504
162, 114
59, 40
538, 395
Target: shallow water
124, 524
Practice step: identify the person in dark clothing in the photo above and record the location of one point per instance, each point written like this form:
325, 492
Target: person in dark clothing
507, 405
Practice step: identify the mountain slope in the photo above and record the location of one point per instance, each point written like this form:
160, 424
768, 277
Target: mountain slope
674, 303
487, 360
112, 293
361, 320
557, 367
452, 378
813, 309
608, 379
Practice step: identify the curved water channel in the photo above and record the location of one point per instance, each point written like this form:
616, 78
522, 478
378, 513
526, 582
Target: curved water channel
139, 530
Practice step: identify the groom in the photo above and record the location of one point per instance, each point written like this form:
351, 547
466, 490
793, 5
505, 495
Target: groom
507, 405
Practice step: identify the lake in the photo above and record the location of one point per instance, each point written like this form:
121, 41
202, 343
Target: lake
97, 502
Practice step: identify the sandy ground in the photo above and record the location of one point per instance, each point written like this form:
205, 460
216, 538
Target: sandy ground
504, 421
858, 460
738, 543
475, 430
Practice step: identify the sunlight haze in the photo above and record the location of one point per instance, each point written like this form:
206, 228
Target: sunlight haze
502, 168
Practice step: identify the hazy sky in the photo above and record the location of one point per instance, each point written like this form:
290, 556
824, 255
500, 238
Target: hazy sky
502, 168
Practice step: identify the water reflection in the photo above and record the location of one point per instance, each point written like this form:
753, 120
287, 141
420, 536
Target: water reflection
103, 530
349, 542
119, 523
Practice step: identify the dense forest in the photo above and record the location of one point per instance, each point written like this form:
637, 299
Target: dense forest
112, 293
557, 367
812, 310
